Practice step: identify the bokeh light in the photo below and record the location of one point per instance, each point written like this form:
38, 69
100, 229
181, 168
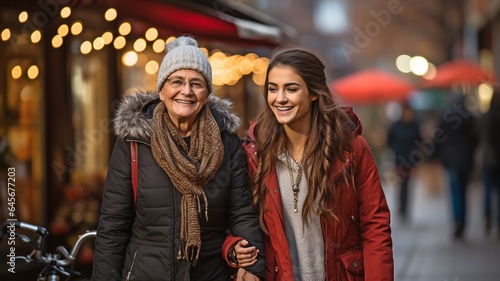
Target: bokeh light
23, 16
403, 63
86, 47
129, 58
63, 30
98, 43
110, 14
107, 37
119, 42
151, 34
57, 41
125, 28
36, 36
419, 65
5, 34
16, 72
65, 12
140, 45
151, 67
33, 72
431, 72
159, 46
76, 28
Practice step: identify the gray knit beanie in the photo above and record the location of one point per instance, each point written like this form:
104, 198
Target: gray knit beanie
183, 53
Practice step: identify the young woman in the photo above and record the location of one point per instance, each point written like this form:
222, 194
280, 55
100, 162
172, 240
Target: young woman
315, 181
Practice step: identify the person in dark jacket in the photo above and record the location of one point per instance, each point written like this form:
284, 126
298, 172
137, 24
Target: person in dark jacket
491, 161
315, 180
456, 152
402, 138
192, 183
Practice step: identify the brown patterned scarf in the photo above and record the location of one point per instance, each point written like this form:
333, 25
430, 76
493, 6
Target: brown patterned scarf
189, 174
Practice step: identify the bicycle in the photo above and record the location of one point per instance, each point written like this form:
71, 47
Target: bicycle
55, 266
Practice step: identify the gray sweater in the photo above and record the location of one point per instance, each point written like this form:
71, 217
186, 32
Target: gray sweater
306, 243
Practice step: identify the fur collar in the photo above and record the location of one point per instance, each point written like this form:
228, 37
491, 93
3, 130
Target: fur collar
132, 121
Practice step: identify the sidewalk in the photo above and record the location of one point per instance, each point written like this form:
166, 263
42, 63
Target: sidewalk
424, 248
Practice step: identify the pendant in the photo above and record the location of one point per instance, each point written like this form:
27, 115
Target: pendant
295, 201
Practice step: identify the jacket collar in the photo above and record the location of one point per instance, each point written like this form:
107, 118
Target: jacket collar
357, 127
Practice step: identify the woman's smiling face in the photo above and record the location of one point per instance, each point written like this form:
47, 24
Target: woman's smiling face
288, 97
184, 93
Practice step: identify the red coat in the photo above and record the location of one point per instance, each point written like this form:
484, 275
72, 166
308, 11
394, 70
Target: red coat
348, 255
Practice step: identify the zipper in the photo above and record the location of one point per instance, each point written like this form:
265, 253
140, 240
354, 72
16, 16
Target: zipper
358, 225
133, 262
356, 222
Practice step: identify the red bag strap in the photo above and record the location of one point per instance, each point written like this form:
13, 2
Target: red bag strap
134, 162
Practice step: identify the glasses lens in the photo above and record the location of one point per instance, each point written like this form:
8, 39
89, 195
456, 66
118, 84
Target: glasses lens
197, 85
178, 83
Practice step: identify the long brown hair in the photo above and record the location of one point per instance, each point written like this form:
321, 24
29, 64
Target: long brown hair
329, 138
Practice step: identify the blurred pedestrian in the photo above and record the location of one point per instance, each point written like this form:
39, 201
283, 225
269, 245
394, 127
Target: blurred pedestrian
455, 148
315, 180
402, 138
491, 161
192, 182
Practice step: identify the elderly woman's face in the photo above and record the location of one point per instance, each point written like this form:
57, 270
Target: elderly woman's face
184, 93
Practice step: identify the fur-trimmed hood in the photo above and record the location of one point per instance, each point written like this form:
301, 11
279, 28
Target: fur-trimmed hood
133, 116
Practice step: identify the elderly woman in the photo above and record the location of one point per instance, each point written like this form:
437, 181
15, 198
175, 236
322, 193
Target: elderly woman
192, 183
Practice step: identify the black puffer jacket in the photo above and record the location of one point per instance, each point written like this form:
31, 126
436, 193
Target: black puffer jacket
142, 243
457, 136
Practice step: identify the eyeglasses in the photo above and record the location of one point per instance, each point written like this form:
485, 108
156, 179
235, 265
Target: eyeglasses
177, 83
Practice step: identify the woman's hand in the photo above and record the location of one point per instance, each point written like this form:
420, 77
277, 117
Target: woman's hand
246, 256
244, 275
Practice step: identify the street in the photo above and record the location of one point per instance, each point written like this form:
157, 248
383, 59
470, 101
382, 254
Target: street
424, 247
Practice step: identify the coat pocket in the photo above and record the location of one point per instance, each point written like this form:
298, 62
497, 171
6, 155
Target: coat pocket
352, 263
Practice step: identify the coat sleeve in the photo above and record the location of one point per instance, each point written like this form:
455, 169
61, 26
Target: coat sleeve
374, 216
243, 220
226, 246
117, 215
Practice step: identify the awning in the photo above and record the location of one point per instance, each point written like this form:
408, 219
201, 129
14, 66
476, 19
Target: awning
204, 22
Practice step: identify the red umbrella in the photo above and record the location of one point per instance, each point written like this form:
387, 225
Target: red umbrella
372, 85
458, 71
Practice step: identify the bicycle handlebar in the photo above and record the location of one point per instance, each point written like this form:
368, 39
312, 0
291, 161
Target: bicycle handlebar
79, 242
70, 258
23, 225
10, 226
49, 260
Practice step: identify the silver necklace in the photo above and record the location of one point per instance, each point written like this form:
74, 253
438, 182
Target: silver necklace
295, 183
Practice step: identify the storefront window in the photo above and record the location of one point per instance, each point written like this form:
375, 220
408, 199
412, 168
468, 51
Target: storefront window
21, 125
21, 138
89, 153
